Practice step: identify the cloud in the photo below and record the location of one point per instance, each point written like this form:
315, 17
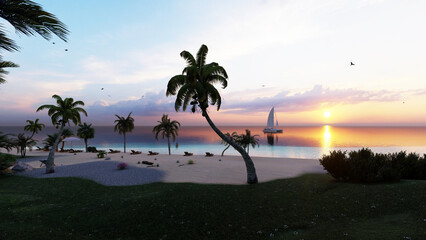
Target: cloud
312, 99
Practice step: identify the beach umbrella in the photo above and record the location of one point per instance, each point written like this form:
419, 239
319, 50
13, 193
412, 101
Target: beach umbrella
71, 139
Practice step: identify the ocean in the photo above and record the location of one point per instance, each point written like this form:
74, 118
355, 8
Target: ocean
294, 142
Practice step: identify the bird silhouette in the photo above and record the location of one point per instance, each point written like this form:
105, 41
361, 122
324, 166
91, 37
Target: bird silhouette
102, 88
66, 50
53, 42
263, 85
352, 64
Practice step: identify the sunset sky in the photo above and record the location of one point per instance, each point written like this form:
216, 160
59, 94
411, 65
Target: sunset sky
294, 55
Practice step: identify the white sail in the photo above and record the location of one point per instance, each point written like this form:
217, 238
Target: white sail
270, 123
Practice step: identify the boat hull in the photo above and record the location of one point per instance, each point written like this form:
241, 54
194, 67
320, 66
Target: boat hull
272, 130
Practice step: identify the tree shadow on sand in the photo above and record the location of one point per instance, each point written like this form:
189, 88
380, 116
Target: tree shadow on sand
103, 172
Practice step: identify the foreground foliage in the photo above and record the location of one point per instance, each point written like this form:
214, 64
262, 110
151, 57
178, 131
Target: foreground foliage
308, 207
365, 166
6, 161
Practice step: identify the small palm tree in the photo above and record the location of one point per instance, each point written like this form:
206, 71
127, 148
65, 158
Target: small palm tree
245, 140
62, 113
86, 132
5, 141
233, 136
49, 142
66, 133
29, 18
195, 86
123, 125
167, 128
34, 127
22, 142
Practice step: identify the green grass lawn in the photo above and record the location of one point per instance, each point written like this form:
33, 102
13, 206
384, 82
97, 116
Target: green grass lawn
307, 207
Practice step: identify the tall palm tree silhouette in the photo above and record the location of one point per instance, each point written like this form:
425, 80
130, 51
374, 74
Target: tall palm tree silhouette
195, 86
123, 125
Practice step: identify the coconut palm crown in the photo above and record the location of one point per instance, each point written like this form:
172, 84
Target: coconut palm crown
167, 128
65, 111
195, 86
86, 132
123, 125
247, 140
34, 127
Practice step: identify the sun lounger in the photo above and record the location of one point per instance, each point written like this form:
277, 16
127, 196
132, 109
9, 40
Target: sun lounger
188, 154
147, 163
152, 153
43, 162
133, 152
209, 154
113, 151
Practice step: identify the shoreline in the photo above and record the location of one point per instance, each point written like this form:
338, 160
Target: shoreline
172, 168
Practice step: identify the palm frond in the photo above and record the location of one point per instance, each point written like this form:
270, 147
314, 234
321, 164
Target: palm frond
174, 84
190, 60
201, 56
7, 43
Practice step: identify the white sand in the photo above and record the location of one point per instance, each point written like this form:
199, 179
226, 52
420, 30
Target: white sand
230, 170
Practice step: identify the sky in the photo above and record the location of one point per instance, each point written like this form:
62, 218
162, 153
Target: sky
291, 55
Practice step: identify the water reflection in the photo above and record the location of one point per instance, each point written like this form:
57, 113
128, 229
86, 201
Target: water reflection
272, 138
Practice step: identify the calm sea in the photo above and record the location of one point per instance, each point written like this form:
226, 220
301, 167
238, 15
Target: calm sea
295, 142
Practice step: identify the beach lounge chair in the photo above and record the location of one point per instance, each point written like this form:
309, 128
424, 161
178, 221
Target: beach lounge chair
133, 152
152, 153
147, 163
113, 151
43, 162
39, 149
188, 154
209, 154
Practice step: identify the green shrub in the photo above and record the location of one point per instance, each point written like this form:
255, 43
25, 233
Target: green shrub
101, 154
336, 164
91, 149
6, 161
421, 168
190, 161
363, 167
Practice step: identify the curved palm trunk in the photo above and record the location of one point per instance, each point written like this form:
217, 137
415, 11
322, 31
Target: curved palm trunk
225, 150
85, 143
51, 158
124, 141
251, 170
168, 142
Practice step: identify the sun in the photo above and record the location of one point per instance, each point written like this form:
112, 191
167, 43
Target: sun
327, 114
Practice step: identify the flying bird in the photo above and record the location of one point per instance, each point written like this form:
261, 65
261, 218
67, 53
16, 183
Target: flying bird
53, 43
263, 85
66, 49
352, 64
102, 88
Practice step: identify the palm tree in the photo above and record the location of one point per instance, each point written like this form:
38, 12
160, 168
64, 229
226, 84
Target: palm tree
167, 129
86, 132
49, 142
22, 142
124, 125
233, 136
195, 87
28, 18
62, 113
245, 140
66, 133
34, 127
5, 141
5, 64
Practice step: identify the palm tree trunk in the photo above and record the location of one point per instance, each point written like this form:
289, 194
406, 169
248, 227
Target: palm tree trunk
251, 170
124, 141
51, 158
85, 143
225, 150
168, 141
248, 149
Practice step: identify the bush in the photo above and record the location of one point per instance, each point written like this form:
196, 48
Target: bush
190, 161
91, 149
122, 166
101, 154
336, 164
6, 161
365, 166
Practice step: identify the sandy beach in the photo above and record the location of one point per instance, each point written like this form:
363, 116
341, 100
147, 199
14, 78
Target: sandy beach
171, 168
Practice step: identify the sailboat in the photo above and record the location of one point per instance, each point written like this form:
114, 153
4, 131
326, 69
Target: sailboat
270, 124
